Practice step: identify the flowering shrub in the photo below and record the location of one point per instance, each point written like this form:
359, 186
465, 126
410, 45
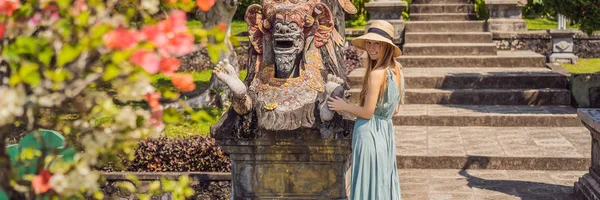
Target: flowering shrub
66, 63
194, 153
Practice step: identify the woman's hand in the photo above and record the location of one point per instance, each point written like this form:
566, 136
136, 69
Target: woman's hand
337, 104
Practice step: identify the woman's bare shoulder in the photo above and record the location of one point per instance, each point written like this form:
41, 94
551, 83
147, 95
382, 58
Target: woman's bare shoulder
377, 74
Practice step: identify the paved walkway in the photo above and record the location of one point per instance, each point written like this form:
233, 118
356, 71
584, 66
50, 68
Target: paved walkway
438, 184
570, 142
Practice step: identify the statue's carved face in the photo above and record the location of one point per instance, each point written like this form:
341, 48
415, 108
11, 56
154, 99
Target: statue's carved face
288, 21
288, 41
286, 26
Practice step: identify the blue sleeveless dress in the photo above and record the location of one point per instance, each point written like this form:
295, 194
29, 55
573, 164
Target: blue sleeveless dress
374, 171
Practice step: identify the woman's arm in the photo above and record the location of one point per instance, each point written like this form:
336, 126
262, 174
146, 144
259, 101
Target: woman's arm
366, 111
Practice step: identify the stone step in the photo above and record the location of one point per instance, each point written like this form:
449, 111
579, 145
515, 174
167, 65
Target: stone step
442, 16
503, 59
445, 26
449, 49
474, 78
442, 8
532, 97
501, 148
448, 37
441, 1
482, 115
477, 184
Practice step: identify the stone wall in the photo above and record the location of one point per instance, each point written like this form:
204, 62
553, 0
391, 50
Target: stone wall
207, 185
541, 42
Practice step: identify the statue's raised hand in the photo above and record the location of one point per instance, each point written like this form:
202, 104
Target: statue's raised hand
226, 73
333, 88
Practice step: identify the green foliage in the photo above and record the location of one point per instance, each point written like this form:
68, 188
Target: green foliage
406, 12
536, 9
178, 189
361, 17
545, 24
238, 26
586, 13
584, 66
481, 10
242, 6
201, 78
83, 68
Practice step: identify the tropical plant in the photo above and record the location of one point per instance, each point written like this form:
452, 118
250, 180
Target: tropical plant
66, 63
481, 10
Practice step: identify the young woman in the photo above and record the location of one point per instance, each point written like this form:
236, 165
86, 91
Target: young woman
374, 171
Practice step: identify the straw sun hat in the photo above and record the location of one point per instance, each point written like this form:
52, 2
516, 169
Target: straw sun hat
378, 31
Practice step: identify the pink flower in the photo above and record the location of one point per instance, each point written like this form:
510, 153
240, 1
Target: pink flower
2, 30
35, 20
152, 99
40, 182
80, 6
175, 23
156, 118
155, 35
120, 38
171, 36
7, 7
180, 44
147, 60
169, 65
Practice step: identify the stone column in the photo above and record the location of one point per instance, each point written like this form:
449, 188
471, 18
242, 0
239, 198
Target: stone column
390, 11
296, 164
562, 46
505, 16
588, 186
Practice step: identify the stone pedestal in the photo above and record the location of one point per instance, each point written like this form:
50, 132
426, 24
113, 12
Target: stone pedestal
588, 186
390, 11
505, 16
296, 164
562, 46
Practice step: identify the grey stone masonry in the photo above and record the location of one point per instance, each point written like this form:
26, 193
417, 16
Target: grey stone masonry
562, 46
505, 16
588, 186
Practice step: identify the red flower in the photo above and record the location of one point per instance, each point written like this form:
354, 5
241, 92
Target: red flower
120, 38
183, 82
205, 5
40, 182
222, 26
2, 30
7, 7
152, 100
147, 60
169, 65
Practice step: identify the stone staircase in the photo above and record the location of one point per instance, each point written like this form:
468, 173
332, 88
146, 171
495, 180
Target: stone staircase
471, 105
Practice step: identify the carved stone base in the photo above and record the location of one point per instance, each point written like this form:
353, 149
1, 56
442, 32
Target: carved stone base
289, 165
562, 46
390, 11
587, 188
569, 58
506, 25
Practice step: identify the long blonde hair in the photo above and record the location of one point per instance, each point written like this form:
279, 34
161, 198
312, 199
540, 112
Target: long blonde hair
386, 60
